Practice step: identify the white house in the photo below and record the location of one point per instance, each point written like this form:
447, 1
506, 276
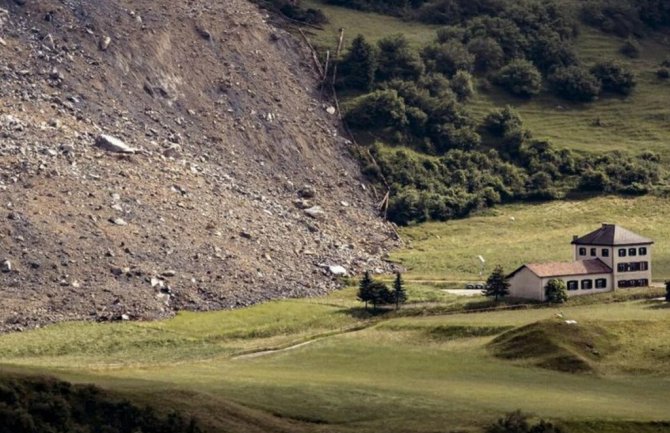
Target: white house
605, 259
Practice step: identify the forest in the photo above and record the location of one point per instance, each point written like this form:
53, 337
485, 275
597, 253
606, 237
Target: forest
409, 105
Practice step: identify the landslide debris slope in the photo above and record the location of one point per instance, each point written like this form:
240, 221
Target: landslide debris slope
240, 188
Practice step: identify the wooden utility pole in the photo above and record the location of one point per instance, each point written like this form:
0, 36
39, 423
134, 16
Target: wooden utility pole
340, 42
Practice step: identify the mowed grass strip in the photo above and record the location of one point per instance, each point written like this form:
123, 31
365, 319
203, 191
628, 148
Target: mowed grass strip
516, 234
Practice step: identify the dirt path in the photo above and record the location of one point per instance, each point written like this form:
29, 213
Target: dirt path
274, 351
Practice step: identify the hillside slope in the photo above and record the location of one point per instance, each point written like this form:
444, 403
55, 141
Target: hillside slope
208, 212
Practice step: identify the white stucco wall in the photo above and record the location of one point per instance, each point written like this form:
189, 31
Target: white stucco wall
525, 284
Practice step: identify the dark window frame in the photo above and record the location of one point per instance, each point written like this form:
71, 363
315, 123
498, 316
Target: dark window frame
642, 251
586, 283
574, 284
632, 252
594, 252
605, 252
582, 251
601, 283
622, 252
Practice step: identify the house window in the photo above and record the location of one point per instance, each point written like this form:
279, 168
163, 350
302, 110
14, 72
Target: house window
582, 251
642, 251
633, 283
601, 283
573, 285
622, 252
644, 266
605, 252
622, 267
632, 251
587, 284
593, 252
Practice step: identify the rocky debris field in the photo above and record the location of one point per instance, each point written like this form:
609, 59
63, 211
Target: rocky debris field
158, 156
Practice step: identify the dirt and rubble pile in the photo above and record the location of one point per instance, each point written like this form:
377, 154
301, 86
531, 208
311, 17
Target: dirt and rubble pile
159, 155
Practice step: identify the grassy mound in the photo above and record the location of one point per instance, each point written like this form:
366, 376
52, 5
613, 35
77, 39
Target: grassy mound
556, 345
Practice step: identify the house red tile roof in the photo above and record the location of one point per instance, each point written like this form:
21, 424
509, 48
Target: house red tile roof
560, 269
611, 235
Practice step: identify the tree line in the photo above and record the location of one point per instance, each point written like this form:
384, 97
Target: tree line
43, 405
377, 293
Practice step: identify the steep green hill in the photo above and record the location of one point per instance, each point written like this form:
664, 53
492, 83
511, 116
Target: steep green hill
574, 105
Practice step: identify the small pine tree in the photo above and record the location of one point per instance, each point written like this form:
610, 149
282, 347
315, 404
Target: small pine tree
667, 291
496, 284
380, 294
365, 289
556, 292
399, 293
358, 67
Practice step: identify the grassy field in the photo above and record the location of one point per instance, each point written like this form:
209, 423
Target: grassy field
517, 234
639, 122
360, 373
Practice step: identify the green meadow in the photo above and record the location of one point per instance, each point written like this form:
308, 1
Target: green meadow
635, 123
516, 234
336, 368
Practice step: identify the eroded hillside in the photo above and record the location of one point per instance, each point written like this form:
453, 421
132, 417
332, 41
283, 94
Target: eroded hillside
241, 188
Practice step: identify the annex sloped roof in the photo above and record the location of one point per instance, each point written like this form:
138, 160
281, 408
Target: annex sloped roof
562, 269
612, 235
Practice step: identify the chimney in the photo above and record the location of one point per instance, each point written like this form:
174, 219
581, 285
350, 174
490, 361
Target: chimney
574, 238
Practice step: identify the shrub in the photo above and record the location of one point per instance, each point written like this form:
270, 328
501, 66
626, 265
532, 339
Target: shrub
575, 83
462, 85
631, 48
556, 292
448, 58
520, 78
548, 51
517, 422
663, 73
379, 109
502, 122
489, 55
396, 59
615, 77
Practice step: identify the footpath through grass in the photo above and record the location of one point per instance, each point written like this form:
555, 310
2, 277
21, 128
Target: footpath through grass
397, 373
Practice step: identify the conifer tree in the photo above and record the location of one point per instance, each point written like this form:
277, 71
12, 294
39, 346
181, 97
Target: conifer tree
399, 293
365, 289
496, 285
358, 67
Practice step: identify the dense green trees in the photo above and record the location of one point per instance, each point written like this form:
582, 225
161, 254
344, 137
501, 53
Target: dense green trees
41, 405
456, 164
378, 293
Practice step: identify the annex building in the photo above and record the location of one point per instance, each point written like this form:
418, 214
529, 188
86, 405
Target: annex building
606, 259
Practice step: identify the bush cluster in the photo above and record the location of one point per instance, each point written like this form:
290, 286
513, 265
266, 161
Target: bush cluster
626, 17
39, 405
